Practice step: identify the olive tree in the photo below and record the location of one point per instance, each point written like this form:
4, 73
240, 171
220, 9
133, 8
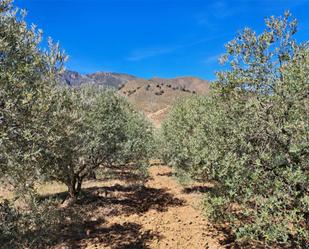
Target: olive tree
265, 98
189, 135
92, 128
26, 74
251, 137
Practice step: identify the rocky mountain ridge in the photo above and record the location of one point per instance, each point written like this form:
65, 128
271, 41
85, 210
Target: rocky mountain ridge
73, 78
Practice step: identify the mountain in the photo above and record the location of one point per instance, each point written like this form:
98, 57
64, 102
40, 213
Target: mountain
154, 97
73, 78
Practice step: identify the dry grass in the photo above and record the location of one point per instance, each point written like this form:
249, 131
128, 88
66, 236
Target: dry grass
155, 96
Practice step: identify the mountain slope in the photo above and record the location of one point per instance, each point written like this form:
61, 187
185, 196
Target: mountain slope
154, 97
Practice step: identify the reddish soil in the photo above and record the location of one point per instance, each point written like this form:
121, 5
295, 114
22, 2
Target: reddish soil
125, 214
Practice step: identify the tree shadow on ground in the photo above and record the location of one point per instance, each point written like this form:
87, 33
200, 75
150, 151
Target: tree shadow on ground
94, 203
229, 238
78, 234
128, 173
169, 174
116, 236
111, 201
132, 199
156, 164
197, 189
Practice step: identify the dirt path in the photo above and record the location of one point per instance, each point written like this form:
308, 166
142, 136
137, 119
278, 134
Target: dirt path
178, 226
159, 214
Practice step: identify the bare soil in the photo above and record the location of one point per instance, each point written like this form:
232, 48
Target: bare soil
125, 214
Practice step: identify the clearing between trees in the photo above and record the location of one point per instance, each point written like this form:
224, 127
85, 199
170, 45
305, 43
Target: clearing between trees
125, 211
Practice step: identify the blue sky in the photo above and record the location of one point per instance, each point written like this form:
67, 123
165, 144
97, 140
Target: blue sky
147, 38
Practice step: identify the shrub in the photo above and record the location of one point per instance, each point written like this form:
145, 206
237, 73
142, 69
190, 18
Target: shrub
266, 172
251, 138
36, 227
185, 134
121, 86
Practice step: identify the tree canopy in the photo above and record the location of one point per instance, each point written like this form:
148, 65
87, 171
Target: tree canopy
250, 137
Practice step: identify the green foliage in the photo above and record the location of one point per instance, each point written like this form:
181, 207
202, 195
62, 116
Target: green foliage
187, 138
121, 135
26, 74
35, 228
50, 132
252, 137
91, 128
65, 146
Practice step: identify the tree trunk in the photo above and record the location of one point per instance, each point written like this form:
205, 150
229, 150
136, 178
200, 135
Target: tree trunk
74, 189
78, 186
